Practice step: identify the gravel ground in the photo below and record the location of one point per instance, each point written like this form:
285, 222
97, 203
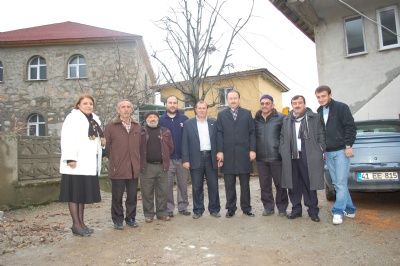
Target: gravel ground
41, 236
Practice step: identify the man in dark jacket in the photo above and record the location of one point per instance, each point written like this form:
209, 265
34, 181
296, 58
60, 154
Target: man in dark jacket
236, 146
173, 120
268, 124
122, 149
302, 145
340, 134
156, 148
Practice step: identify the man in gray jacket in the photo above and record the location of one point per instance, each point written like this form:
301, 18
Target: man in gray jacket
268, 124
302, 144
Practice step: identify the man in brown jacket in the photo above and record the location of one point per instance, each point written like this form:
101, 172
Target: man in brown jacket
156, 147
123, 137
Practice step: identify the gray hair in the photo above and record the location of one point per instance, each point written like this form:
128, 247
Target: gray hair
124, 100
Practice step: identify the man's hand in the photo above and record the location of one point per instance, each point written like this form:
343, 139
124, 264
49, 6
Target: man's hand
252, 155
220, 159
349, 152
186, 165
72, 165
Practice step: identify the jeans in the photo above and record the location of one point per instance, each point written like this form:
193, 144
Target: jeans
339, 167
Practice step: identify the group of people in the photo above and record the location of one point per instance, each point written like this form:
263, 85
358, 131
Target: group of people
289, 152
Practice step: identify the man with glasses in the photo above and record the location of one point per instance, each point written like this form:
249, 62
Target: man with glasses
268, 124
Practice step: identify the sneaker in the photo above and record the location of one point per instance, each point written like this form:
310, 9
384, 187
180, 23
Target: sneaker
131, 222
337, 219
118, 226
170, 214
215, 214
350, 215
196, 215
282, 213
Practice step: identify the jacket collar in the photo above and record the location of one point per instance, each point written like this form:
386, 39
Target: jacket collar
117, 120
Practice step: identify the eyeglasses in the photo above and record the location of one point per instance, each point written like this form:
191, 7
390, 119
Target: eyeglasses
265, 103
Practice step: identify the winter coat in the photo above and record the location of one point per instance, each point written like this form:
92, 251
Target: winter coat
76, 146
236, 139
340, 130
122, 149
267, 135
167, 147
315, 147
175, 125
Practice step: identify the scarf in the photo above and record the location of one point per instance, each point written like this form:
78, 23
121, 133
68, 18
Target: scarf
94, 128
303, 131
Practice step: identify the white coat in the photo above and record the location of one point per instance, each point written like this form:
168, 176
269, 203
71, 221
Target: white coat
76, 145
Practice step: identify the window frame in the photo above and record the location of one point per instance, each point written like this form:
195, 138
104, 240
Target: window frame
396, 20
76, 66
37, 125
226, 91
39, 67
1, 72
352, 18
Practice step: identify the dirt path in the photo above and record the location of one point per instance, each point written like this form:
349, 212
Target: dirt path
40, 236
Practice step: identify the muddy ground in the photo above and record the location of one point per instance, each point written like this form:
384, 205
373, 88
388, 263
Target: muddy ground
41, 236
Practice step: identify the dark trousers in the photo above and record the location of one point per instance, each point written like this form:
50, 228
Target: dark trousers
268, 171
301, 188
197, 176
230, 191
117, 190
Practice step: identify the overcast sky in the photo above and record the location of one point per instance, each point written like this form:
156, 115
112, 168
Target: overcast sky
269, 40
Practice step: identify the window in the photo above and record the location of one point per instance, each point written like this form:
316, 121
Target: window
222, 96
77, 67
189, 104
1, 72
36, 125
389, 29
37, 69
354, 30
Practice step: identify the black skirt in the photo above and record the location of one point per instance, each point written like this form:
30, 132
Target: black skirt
80, 189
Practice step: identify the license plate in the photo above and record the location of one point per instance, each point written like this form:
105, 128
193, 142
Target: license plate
377, 176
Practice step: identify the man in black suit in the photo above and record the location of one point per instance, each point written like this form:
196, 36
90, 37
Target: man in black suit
236, 146
199, 150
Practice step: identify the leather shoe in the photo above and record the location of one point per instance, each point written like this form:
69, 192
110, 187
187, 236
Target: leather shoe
230, 214
75, 232
315, 218
249, 213
196, 215
131, 222
185, 212
170, 214
293, 215
282, 213
164, 218
268, 212
148, 219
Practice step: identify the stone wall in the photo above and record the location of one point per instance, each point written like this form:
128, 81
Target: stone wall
114, 71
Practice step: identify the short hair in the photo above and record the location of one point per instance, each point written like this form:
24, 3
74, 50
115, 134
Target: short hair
233, 91
81, 97
166, 99
297, 97
200, 102
123, 100
323, 88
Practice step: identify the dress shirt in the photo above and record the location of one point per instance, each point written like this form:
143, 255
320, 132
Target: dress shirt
204, 135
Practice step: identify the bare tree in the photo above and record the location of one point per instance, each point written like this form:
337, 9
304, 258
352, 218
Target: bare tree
191, 44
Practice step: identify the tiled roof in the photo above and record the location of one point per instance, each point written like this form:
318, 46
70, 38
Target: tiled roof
62, 32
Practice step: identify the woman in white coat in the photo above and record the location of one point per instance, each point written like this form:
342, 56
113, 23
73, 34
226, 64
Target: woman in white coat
81, 154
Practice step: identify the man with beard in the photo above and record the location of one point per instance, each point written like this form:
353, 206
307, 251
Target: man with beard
302, 146
173, 120
155, 150
122, 149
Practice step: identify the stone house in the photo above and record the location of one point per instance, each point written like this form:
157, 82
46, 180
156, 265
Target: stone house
43, 70
251, 84
358, 45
